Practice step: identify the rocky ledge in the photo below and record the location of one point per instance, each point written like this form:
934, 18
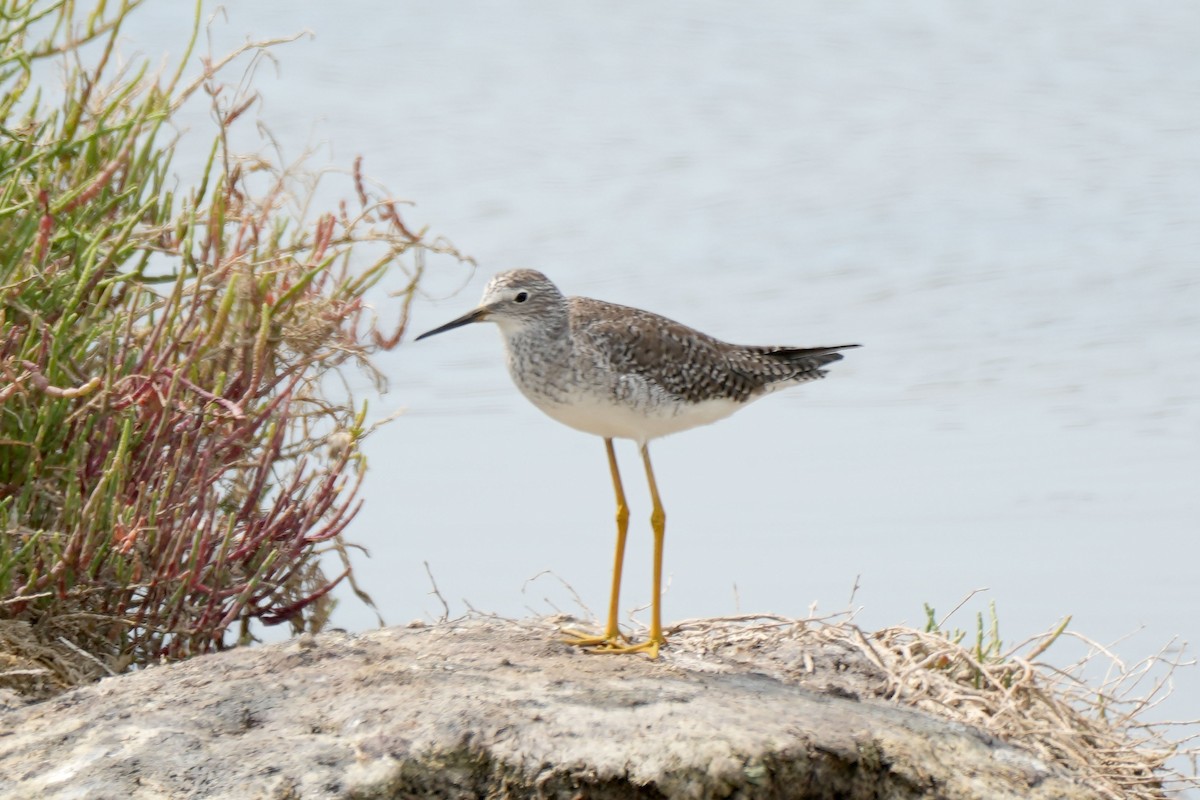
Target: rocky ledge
493, 708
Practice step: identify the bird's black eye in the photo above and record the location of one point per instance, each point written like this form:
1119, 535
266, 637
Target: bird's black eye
521, 297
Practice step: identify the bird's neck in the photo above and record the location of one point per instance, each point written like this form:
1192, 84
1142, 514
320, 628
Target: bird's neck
548, 341
539, 360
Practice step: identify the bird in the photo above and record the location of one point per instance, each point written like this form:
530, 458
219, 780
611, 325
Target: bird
623, 373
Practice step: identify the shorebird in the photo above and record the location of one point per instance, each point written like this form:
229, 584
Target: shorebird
623, 373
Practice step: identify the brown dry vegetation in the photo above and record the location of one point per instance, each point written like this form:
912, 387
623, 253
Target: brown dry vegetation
1094, 727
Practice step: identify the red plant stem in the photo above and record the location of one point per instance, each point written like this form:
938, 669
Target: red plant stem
230, 406
104, 176
285, 613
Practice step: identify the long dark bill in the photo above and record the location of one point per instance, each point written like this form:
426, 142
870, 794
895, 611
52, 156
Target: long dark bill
477, 315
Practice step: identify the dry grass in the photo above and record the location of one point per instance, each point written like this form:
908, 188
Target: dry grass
35, 666
1088, 716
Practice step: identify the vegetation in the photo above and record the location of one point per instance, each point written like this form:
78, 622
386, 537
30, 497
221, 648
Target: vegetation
177, 436
1089, 716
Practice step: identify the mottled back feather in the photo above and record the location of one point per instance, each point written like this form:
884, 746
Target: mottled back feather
688, 364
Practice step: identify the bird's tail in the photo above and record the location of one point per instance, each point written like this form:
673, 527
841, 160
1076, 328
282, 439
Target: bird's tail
816, 356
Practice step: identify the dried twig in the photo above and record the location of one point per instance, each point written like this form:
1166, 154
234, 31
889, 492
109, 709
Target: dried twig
436, 593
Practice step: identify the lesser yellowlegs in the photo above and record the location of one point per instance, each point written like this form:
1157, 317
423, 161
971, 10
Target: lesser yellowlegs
620, 372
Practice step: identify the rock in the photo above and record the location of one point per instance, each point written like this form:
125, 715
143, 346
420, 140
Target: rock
491, 708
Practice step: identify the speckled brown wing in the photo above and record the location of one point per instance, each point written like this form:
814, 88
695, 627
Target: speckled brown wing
684, 362
766, 366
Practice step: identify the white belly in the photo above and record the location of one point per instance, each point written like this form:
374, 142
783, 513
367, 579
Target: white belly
624, 422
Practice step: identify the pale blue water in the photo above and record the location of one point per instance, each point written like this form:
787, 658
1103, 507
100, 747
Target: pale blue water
1000, 201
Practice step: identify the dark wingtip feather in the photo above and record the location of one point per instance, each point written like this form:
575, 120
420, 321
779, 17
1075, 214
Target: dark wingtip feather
819, 356
809, 358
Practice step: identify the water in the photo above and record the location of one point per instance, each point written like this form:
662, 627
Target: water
1000, 201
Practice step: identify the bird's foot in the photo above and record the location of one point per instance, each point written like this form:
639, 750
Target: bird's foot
579, 638
612, 644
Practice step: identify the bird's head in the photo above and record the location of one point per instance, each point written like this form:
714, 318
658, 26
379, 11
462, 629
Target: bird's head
514, 300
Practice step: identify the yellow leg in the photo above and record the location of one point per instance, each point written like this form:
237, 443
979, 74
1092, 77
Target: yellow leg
612, 640
658, 521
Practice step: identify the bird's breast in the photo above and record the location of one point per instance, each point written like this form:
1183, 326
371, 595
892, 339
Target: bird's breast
608, 416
